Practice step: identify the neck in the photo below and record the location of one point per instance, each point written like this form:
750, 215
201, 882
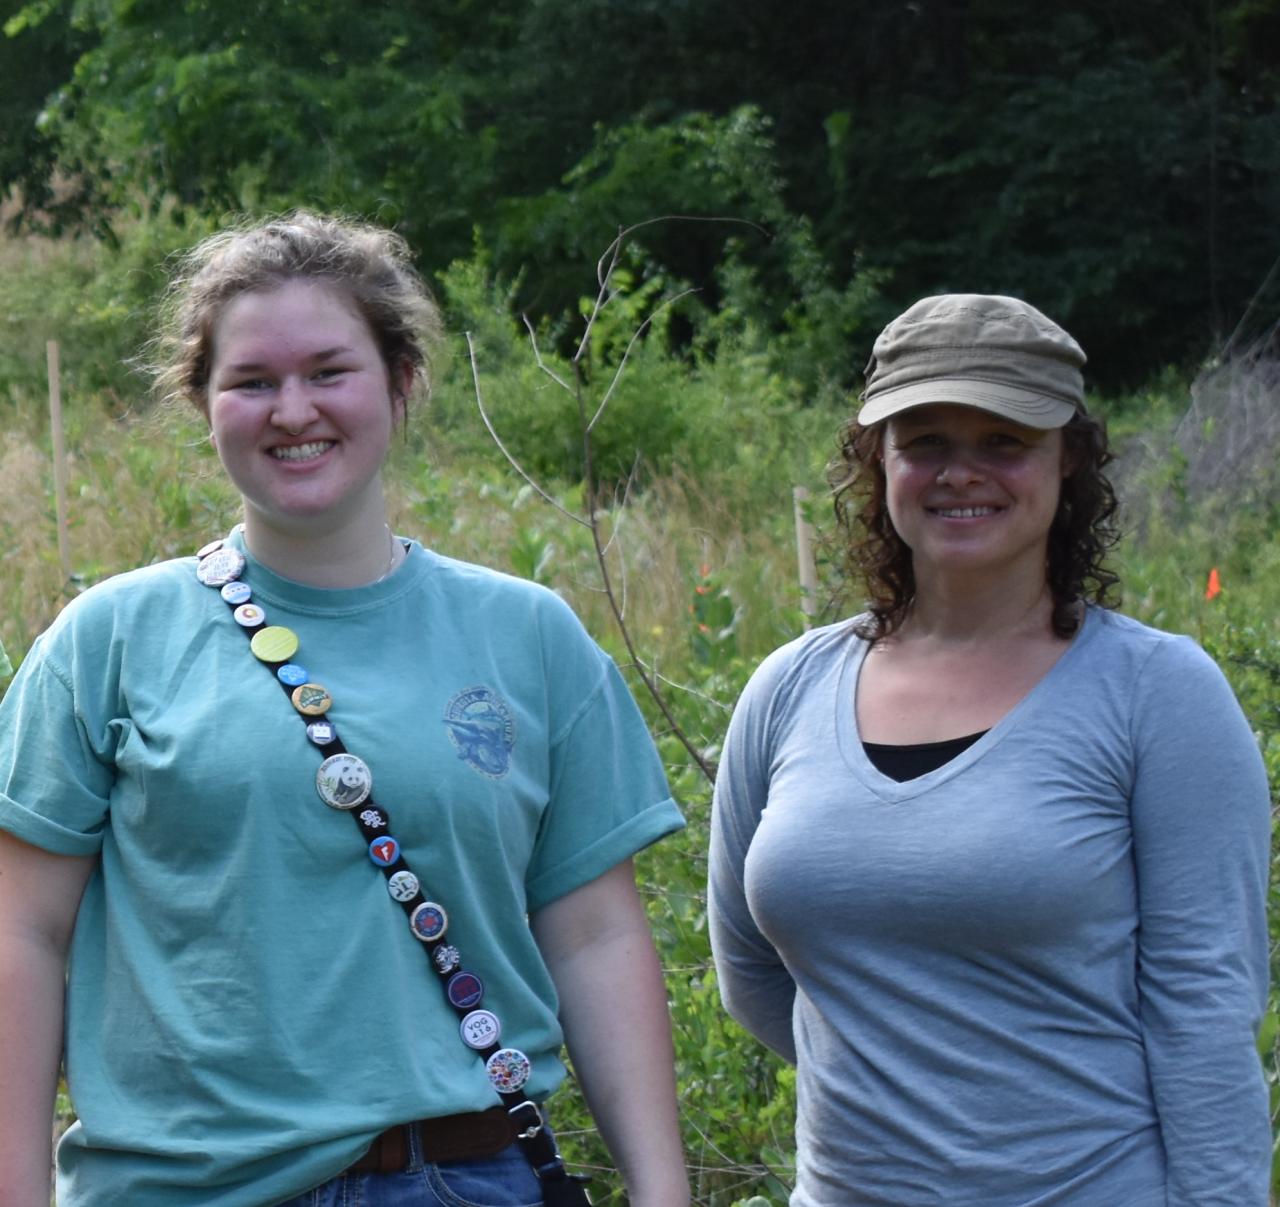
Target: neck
959, 611
355, 554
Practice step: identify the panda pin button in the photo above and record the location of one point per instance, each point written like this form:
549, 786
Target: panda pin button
344, 781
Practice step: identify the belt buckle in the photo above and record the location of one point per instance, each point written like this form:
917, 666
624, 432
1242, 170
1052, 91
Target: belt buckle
533, 1128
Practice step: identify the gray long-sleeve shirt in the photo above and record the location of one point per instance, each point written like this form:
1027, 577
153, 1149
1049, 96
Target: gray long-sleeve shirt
1031, 977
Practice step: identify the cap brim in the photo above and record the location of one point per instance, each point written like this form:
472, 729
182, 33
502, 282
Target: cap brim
1020, 406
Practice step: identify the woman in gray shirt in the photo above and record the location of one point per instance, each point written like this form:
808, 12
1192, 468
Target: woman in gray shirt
989, 862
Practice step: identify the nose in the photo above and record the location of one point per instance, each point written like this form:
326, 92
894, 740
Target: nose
293, 410
960, 467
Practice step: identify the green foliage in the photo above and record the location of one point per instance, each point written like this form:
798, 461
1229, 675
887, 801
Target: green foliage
1118, 166
664, 410
96, 300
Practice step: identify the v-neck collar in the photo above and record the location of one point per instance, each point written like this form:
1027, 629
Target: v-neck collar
887, 789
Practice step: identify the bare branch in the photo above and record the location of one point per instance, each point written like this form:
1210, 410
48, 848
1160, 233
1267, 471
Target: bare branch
537, 356
613, 253
622, 364
626, 498
619, 617
693, 691
502, 448
603, 294
605, 268
622, 562
615, 248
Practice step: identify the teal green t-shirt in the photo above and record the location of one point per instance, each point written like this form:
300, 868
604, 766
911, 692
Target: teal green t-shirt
246, 1006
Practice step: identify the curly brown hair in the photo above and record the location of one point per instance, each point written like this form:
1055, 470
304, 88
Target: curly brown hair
370, 264
1082, 533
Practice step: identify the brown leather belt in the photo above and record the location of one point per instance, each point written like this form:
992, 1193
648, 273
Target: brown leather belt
448, 1138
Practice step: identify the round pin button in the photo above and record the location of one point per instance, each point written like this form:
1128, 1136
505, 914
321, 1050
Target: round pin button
211, 547
249, 615
403, 886
375, 819
292, 675
236, 592
310, 699
429, 921
219, 568
344, 781
480, 1029
320, 732
275, 643
464, 990
384, 851
508, 1070
446, 958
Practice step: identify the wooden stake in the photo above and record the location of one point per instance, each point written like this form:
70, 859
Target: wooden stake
59, 459
804, 555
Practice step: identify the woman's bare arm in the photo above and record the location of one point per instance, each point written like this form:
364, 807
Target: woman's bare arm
39, 896
613, 1006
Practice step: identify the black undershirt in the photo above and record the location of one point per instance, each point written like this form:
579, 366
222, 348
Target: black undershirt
910, 762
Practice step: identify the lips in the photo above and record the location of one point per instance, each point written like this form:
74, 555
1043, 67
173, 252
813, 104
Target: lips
301, 452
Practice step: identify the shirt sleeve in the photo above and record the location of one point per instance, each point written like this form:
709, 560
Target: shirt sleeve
755, 986
1201, 834
55, 778
608, 792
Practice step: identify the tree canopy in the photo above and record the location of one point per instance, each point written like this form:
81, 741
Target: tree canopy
1117, 165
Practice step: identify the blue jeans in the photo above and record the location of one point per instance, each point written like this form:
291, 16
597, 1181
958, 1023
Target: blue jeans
504, 1180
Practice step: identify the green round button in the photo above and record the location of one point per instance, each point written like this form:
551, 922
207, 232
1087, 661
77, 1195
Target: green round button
275, 643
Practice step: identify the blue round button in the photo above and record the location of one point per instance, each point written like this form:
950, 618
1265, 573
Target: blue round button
292, 674
384, 851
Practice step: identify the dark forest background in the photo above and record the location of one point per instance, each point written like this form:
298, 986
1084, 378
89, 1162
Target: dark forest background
1117, 164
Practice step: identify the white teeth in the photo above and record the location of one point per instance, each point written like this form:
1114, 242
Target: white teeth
965, 513
301, 452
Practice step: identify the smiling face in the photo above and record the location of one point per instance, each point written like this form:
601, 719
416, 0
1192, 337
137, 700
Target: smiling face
969, 491
301, 407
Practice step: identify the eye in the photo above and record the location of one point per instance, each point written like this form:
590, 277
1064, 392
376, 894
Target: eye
328, 373
251, 384
921, 442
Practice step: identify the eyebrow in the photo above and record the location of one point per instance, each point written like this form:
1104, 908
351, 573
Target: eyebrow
254, 366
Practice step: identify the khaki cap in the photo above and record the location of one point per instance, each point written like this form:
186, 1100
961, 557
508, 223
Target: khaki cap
980, 350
